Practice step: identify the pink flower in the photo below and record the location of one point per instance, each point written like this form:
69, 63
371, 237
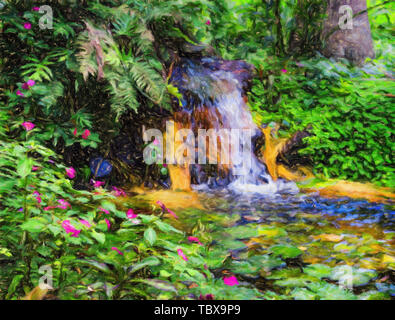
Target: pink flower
86, 134
97, 184
117, 250
36, 9
35, 168
208, 22
164, 165
162, 205
63, 204
85, 223
194, 239
27, 25
104, 210
284, 70
108, 223
70, 172
70, 229
37, 195
130, 214
28, 125
231, 281
119, 192
155, 142
19, 93
25, 86
182, 255
30, 83
172, 213
75, 132
49, 208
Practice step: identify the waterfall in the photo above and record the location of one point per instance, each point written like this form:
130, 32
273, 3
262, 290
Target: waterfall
213, 98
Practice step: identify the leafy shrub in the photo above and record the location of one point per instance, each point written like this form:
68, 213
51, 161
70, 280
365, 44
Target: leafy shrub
93, 248
349, 110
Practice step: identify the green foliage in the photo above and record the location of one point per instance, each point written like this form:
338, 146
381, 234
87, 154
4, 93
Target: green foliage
349, 110
37, 199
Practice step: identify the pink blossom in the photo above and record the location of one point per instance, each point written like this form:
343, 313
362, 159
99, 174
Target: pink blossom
27, 25
164, 165
104, 210
85, 223
35, 168
38, 196
49, 208
194, 239
172, 213
130, 214
63, 204
70, 229
117, 250
284, 70
28, 125
155, 142
182, 255
97, 184
162, 205
19, 93
25, 86
231, 281
208, 22
30, 83
108, 223
70, 172
36, 9
119, 192
75, 132
86, 134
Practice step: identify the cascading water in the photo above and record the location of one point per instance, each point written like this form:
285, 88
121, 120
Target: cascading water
213, 98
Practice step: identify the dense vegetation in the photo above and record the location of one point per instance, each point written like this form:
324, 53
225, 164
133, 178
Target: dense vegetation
72, 88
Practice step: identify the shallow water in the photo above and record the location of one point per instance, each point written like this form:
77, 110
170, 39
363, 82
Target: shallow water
297, 246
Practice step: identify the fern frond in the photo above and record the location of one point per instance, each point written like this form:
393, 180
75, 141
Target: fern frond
146, 79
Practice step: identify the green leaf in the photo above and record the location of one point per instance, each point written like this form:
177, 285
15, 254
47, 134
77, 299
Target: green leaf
33, 226
108, 206
100, 237
286, 251
7, 185
13, 285
95, 264
161, 285
150, 261
24, 166
318, 270
165, 227
150, 236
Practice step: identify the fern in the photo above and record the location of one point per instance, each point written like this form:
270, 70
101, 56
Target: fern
126, 73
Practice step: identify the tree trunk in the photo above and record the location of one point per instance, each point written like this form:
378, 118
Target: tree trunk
349, 37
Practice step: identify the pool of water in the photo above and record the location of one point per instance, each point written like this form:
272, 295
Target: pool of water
300, 246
